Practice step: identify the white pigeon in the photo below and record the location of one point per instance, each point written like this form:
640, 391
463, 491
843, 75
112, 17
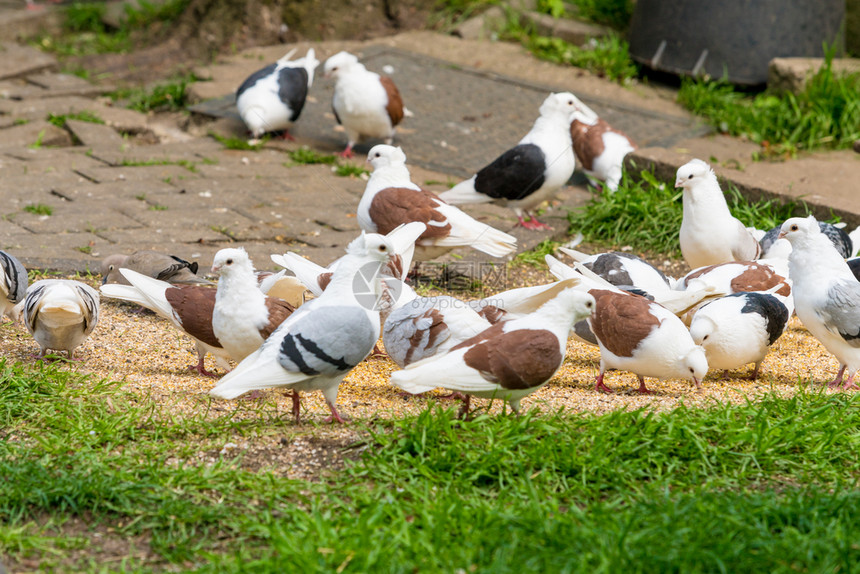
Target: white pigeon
13, 287
710, 234
61, 314
532, 171
243, 316
157, 265
826, 294
507, 361
272, 98
738, 329
364, 103
638, 335
391, 199
324, 338
599, 148
772, 247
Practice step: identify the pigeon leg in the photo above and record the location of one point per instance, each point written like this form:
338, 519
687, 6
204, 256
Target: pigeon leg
849, 384
335, 416
347, 153
835, 382
200, 369
533, 223
754, 375
642, 388
453, 396
377, 353
297, 404
464, 410
600, 386
286, 135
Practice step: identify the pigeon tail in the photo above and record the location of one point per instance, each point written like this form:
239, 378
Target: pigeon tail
464, 192
410, 380
253, 373
152, 289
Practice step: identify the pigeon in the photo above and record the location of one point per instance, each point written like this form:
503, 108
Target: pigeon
738, 329
281, 286
709, 233
324, 338
61, 314
157, 265
624, 270
826, 294
13, 288
365, 103
188, 308
854, 266
272, 98
742, 276
243, 316
773, 247
532, 171
599, 147
638, 335
508, 360
391, 199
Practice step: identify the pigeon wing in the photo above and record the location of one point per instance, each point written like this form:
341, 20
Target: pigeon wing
515, 174
293, 89
414, 331
841, 311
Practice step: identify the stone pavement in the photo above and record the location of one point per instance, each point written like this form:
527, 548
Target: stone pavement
73, 195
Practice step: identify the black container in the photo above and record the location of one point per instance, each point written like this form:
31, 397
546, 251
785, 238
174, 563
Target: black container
733, 38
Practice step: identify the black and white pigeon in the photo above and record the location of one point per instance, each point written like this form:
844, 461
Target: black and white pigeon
243, 316
739, 329
624, 270
272, 98
599, 148
532, 171
390, 199
710, 234
157, 265
364, 103
324, 338
772, 247
508, 360
826, 294
13, 288
61, 314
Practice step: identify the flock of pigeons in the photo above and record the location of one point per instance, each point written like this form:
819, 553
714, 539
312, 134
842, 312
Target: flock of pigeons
724, 314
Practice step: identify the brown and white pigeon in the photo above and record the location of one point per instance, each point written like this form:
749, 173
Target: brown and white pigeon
243, 316
599, 147
532, 171
710, 234
364, 103
61, 314
13, 287
272, 98
507, 361
638, 335
391, 199
154, 264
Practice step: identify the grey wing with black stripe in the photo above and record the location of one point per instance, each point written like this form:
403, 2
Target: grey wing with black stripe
14, 278
90, 299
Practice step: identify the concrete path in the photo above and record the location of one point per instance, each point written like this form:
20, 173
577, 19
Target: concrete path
72, 196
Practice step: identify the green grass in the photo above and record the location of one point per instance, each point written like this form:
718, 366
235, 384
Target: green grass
765, 487
305, 155
606, 57
59, 120
350, 170
826, 114
39, 209
167, 96
238, 143
535, 257
186, 163
647, 213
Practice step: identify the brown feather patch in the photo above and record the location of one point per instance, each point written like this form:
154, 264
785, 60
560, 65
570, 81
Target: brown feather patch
279, 310
437, 327
194, 306
588, 140
492, 314
395, 102
621, 320
394, 206
754, 277
323, 279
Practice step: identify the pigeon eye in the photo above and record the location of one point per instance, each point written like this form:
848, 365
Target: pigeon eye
705, 338
111, 268
383, 248
690, 176
229, 262
794, 227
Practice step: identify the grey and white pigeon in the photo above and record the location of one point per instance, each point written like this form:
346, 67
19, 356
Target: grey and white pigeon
739, 329
638, 335
61, 314
599, 147
508, 360
324, 338
13, 287
772, 247
154, 264
364, 103
532, 171
243, 316
710, 234
624, 270
272, 98
390, 199
826, 294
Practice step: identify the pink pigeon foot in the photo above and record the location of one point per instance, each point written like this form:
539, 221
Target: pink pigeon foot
297, 405
835, 382
335, 416
200, 369
286, 135
642, 388
533, 224
464, 410
347, 153
600, 387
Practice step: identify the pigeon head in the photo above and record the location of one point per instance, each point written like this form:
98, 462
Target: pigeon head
694, 366
338, 63
228, 260
371, 245
561, 105
584, 114
385, 155
110, 268
701, 329
799, 228
692, 172
580, 303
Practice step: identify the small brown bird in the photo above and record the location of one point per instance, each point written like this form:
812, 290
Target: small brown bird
153, 264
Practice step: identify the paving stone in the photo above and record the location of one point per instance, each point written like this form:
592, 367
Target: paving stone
572, 31
20, 60
791, 74
144, 173
37, 133
126, 121
95, 135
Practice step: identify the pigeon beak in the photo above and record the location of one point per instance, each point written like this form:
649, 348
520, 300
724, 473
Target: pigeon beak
679, 183
216, 268
698, 384
781, 234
